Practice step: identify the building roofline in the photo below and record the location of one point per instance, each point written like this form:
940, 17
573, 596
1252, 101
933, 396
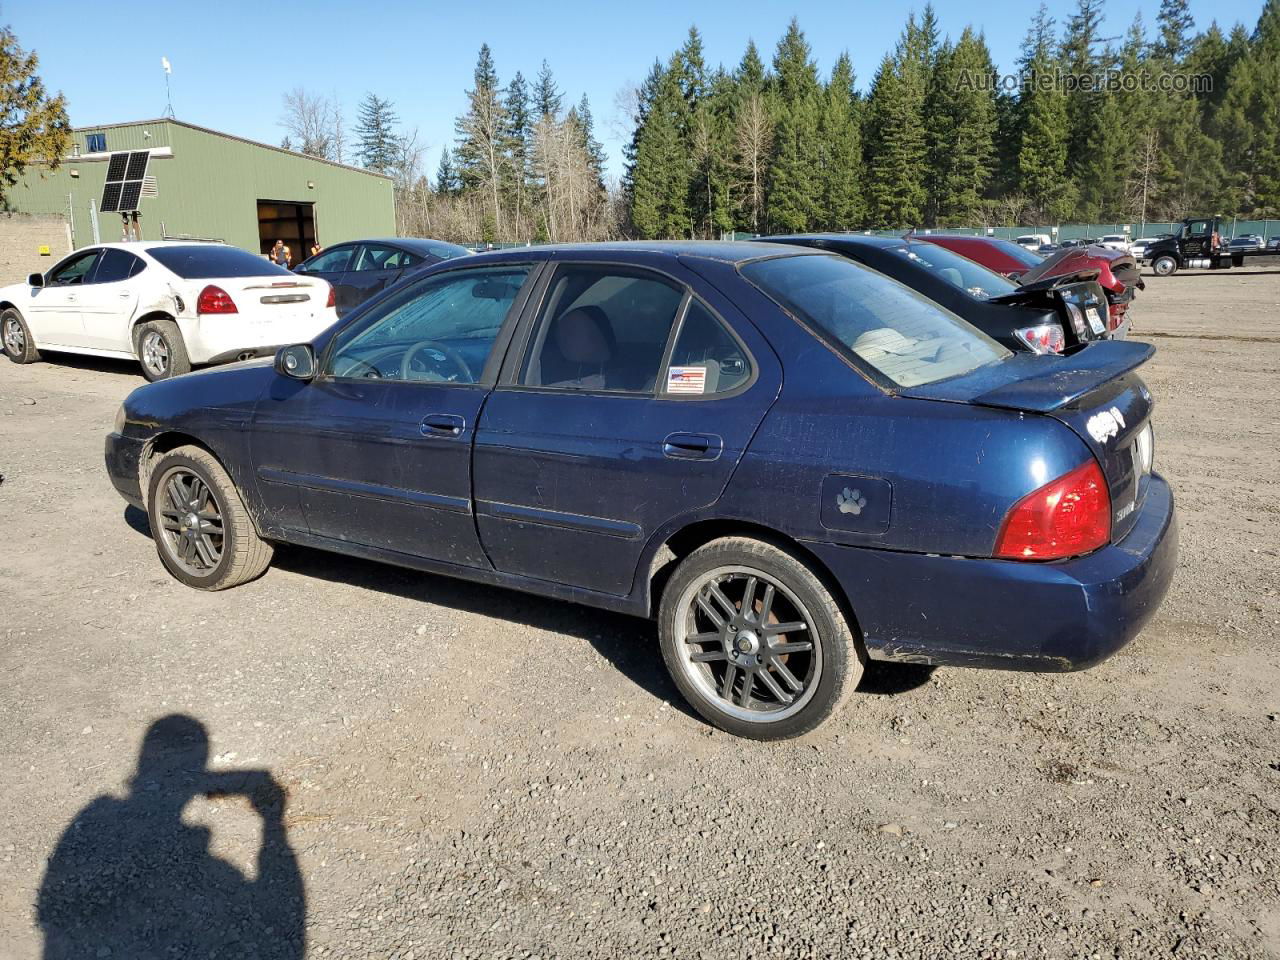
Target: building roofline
95, 128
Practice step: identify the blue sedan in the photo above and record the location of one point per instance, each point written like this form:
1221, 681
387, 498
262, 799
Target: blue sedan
791, 461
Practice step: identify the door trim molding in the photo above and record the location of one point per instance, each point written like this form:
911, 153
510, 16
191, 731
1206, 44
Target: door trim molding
369, 491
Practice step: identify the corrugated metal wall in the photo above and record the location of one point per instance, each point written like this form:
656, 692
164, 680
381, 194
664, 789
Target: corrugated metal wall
211, 188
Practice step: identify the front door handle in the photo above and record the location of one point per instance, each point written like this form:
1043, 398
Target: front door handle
442, 425
692, 446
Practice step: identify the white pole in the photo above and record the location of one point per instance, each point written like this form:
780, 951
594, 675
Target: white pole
93, 219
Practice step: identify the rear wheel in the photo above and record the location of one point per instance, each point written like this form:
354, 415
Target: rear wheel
161, 350
1164, 266
202, 531
755, 641
19, 345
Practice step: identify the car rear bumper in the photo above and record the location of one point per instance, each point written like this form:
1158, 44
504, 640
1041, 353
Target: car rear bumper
219, 338
123, 455
1006, 614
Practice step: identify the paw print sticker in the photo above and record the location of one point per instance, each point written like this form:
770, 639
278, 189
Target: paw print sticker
850, 501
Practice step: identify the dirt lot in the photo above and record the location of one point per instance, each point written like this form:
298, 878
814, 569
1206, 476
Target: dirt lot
472, 772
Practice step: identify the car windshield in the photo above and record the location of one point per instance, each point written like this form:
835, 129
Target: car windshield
1021, 254
214, 261
904, 336
973, 278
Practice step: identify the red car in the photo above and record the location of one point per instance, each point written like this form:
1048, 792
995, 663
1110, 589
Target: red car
1117, 271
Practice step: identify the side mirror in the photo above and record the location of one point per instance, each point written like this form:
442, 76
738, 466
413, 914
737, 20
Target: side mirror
297, 361
35, 280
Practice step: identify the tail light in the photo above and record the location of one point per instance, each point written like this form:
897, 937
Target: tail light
1044, 338
333, 297
1064, 518
213, 299
1115, 314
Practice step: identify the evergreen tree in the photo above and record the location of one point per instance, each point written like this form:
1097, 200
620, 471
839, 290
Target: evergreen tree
711, 149
1081, 65
447, 181
593, 147
1043, 126
660, 176
895, 137
963, 113
753, 134
794, 185
376, 121
1174, 22
840, 141
548, 100
750, 76
517, 134
692, 68
481, 154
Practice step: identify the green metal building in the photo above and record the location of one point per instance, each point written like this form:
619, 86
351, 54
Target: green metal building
210, 185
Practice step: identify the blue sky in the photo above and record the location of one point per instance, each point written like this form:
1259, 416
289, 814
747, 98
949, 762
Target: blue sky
233, 60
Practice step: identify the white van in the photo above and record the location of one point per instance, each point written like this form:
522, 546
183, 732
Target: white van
1033, 241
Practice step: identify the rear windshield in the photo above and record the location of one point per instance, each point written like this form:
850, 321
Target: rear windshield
446, 251
212, 261
904, 336
1021, 254
973, 278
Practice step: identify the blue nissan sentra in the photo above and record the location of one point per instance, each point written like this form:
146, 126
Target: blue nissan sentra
791, 461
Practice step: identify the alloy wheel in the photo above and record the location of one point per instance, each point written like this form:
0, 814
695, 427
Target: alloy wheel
190, 521
155, 354
748, 644
14, 339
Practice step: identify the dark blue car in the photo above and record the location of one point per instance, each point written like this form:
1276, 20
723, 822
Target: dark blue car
791, 461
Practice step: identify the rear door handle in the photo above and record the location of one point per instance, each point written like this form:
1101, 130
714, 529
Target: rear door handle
442, 425
692, 446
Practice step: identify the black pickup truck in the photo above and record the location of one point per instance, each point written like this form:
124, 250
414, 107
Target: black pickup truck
1198, 244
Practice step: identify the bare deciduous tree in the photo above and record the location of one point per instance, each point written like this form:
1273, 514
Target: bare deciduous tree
314, 124
754, 143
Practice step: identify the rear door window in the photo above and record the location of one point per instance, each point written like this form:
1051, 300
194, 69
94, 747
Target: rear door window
901, 335
602, 329
707, 359
116, 265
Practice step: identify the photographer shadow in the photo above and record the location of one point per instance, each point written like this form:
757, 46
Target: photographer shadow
130, 879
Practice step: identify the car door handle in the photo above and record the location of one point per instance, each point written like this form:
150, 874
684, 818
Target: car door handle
124, 295
692, 446
442, 425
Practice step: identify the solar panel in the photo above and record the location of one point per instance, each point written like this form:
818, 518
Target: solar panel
123, 187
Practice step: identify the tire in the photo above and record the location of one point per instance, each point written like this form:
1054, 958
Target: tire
192, 478
161, 350
1164, 266
15, 335
817, 681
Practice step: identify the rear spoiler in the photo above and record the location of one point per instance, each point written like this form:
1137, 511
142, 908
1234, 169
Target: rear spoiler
1040, 384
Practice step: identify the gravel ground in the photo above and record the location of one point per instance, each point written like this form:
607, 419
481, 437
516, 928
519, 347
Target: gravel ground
400, 765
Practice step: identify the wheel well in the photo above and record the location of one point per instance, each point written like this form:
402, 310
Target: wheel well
682, 543
161, 444
6, 305
146, 318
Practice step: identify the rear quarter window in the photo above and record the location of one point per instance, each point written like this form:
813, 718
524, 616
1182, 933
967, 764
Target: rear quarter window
209, 262
903, 336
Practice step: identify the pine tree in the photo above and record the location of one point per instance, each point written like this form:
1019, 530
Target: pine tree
840, 142
516, 136
593, 147
1043, 125
548, 100
1081, 65
895, 138
660, 176
794, 186
447, 181
963, 113
480, 154
1174, 22
35, 125
376, 121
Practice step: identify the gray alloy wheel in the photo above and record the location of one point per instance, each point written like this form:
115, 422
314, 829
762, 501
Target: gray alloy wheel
1165, 266
16, 339
755, 640
748, 642
160, 350
155, 354
203, 533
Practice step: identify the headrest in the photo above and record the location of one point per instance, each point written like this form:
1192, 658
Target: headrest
583, 336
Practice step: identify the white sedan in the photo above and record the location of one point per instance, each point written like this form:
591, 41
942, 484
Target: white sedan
170, 305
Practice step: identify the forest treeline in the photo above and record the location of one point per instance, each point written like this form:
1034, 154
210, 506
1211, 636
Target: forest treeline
1152, 125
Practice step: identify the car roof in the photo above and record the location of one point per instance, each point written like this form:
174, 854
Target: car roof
860, 239
145, 245
416, 244
726, 251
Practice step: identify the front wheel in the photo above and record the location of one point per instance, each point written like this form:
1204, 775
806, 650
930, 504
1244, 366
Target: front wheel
755, 641
202, 531
19, 345
1165, 266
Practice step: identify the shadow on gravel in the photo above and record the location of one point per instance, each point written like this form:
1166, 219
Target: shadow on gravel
629, 643
76, 361
890, 679
137, 520
129, 879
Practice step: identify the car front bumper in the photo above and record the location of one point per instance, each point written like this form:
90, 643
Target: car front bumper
1012, 615
123, 456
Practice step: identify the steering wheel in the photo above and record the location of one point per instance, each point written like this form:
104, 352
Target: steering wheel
445, 352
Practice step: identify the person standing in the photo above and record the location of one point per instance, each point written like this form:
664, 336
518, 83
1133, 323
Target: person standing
281, 255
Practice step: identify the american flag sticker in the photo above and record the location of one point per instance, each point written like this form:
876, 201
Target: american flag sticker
686, 379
